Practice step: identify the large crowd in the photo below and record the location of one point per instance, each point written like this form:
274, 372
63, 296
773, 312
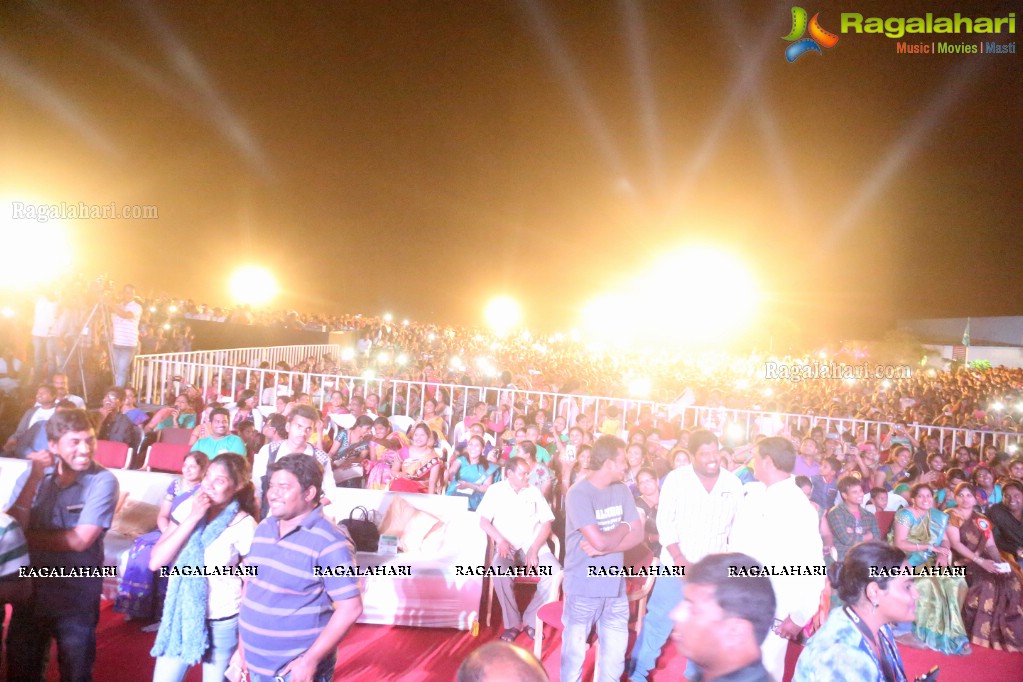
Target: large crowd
615, 487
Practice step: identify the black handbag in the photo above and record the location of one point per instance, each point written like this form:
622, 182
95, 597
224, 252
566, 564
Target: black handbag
363, 531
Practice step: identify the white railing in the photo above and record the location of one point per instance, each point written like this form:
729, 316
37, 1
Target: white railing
158, 377
232, 357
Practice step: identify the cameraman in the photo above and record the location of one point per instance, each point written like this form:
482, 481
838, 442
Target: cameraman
124, 317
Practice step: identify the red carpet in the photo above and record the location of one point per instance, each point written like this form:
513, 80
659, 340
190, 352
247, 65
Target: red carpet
374, 652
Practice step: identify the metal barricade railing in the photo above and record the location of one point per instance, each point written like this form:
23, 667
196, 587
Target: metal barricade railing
158, 376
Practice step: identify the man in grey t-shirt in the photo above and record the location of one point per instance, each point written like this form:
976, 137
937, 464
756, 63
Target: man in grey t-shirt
601, 523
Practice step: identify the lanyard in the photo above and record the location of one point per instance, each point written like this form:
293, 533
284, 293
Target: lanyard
887, 668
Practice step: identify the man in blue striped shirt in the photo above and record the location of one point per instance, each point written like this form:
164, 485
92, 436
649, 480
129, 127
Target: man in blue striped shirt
294, 613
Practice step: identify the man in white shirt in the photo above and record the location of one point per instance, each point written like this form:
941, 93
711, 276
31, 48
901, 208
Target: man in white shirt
300, 427
518, 519
124, 317
777, 526
694, 516
60, 385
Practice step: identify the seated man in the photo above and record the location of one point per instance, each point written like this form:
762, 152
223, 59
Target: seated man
45, 405
220, 440
848, 523
114, 425
518, 520
349, 464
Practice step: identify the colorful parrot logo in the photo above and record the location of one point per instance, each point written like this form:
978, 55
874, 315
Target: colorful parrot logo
819, 37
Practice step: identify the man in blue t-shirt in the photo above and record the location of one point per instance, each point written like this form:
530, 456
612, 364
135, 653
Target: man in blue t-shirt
601, 524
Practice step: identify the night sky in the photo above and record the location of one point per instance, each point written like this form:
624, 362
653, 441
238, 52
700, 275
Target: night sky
420, 157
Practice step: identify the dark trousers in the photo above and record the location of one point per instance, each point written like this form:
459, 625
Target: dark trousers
72, 623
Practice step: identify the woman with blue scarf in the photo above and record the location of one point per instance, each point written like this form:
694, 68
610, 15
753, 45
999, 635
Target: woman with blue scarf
208, 535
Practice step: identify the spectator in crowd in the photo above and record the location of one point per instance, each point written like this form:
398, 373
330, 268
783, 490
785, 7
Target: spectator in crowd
39, 413
856, 642
1007, 517
847, 523
418, 466
293, 616
518, 520
601, 524
65, 515
777, 526
213, 527
349, 464
807, 464
124, 316
501, 662
220, 439
988, 492
896, 471
179, 416
112, 423
14, 589
471, 474
246, 410
824, 486
140, 589
60, 385
299, 428
697, 507
919, 530
723, 619
993, 610
648, 500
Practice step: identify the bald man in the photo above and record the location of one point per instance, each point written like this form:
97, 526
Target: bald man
501, 662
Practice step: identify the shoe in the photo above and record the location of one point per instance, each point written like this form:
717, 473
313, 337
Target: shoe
510, 635
530, 631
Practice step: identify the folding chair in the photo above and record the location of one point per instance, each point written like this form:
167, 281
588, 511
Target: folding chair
491, 549
112, 454
166, 457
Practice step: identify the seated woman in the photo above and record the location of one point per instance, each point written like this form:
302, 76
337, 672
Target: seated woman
946, 497
180, 416
246, 410
131, 408
992, 613
988, 492
648, 498
919, 530
581, 469
140, 590
471, 474
856, 642
540, 475
417, 468
431, 418
200, 616
336, 405
1007, 518
635, 457
384, 446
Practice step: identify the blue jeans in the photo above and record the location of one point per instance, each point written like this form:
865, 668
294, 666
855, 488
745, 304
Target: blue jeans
33, 625
611, 616
657, 627
324, 672
223, 642
121, 363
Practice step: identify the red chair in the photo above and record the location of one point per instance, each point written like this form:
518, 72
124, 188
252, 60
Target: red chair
526, 580
112, 454
175, 436
166, 457
884, 522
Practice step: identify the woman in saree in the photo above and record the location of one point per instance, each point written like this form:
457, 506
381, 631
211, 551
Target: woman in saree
246, 410
384, 446
418, 466
140, 591
919, 531
988, 492
541, 476
992, 613
471, 474
432, 418
1007, 518
181, 416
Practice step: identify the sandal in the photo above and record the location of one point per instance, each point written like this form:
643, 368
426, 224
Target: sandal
510, 635
530, 631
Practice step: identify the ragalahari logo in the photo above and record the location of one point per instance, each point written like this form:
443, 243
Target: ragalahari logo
819, 37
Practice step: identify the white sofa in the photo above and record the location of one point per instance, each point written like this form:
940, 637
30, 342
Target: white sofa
143, 486
434, 596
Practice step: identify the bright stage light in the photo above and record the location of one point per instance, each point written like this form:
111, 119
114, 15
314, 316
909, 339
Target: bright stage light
503, 315
639, 387
405, 322
25, 236
172, 309
402, 360
712, 295
997, 406
388, 317
7, 312
347, 354
383, 358
253, 285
